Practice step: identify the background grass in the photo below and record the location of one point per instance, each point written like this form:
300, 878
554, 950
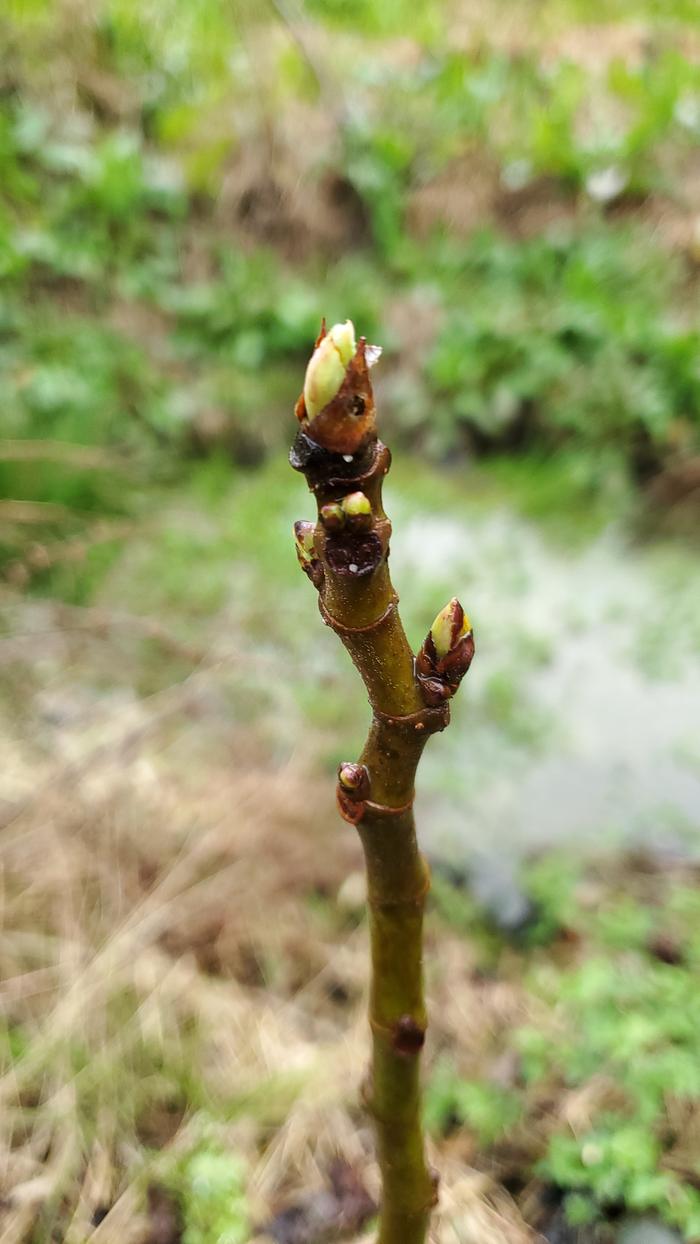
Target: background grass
508, 203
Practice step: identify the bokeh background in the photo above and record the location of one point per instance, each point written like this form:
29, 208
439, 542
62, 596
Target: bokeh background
506, 195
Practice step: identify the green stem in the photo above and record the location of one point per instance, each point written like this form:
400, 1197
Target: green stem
362, 610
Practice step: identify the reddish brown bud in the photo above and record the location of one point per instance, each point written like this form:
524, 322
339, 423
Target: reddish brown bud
407, 1036
446, 653
354, 779
340, 413
352, 790
332, 516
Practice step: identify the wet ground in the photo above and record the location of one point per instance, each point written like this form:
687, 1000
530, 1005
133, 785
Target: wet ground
156, 743
579, 724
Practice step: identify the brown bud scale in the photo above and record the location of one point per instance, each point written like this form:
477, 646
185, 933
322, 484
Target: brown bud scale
446, 672
347, 423
351, 810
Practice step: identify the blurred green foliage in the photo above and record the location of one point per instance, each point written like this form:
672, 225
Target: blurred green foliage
140, 315
486, 1109
617, 1032
572, 335
209, 1184
137, 313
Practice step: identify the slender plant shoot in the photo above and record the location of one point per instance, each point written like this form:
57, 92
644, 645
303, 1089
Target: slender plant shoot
345, 555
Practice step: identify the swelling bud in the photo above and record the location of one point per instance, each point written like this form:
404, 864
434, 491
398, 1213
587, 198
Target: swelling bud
448, 628
358, 511
325, 372
446, 654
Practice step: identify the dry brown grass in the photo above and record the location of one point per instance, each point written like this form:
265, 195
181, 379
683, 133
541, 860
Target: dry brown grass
173, 950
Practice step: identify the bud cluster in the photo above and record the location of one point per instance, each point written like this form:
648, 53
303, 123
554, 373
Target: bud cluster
352, 513
446, 654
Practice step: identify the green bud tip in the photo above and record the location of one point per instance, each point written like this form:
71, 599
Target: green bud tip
325, 372
304, 540
356, 503
450, 625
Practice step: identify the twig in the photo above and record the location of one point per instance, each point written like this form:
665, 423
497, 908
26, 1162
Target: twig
346, 557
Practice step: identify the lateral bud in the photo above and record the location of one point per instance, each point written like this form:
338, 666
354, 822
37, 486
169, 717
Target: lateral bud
306, 551
407, 1036
446, 654
352, 791
332, 516
354, 779
357, 511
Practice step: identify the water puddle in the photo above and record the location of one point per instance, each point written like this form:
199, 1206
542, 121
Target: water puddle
579, 723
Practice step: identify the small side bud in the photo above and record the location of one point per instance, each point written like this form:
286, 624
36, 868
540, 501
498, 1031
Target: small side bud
446, 653
306, 551
332, 516
407, 1036
358, 511
354, 779
352, 791
326, 369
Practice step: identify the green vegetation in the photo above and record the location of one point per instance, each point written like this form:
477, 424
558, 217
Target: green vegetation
612, 976
477, 181
210, 1187
510, 207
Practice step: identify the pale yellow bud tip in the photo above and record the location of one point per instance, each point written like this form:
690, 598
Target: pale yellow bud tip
326, 370
343, 338
356, 503
449, 627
